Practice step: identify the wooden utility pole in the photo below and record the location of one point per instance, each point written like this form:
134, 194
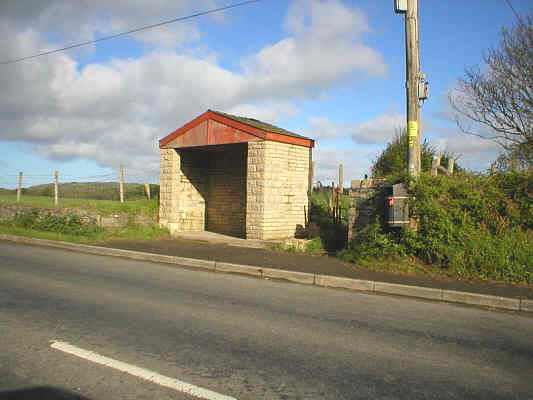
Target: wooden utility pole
121, 185
56, 184
412, 63
19, 189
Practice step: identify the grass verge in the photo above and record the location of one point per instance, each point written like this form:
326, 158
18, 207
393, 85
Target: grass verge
128, 232
105, 207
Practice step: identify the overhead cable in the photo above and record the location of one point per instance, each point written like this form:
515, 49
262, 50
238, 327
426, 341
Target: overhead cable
143, 28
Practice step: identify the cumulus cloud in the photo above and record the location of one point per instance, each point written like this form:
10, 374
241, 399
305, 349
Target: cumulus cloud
71, 21
323, 129
356, 162
267, 111
324, 47
472, 152
113, 112
379, 130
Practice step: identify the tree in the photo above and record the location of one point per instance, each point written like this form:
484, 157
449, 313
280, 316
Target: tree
496, 102
392, 162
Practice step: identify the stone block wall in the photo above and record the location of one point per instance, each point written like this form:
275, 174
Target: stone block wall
277, 189
192, 190
183, 184
257, 189
226, 197
168, 187
366, 196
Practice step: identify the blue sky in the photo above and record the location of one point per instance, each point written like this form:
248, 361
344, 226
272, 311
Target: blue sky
331, 70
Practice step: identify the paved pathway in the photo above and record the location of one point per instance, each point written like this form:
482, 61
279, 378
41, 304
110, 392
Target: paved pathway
207, 248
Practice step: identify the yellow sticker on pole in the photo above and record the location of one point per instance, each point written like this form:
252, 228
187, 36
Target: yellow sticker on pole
412, 128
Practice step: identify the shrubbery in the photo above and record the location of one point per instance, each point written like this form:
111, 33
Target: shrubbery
333, 234
470, 225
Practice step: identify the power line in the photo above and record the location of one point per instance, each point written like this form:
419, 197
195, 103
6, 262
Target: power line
73, 46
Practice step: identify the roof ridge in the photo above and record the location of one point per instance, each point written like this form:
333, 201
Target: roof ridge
255, 123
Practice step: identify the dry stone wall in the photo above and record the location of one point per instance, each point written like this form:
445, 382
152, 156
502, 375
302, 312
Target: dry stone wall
8, 212
366, 195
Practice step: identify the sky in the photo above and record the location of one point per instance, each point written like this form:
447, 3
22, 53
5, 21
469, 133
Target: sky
331, 70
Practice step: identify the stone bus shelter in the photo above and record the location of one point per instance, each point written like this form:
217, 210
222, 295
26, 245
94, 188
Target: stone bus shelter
235, 175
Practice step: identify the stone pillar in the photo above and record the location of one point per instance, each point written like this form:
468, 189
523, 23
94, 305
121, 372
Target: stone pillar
255, 190
168, 192
366, 201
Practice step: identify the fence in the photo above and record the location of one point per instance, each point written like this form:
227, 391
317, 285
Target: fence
121, 186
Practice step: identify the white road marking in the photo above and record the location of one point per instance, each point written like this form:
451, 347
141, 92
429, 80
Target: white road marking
142, 373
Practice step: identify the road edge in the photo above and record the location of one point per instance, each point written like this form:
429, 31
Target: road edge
328, 281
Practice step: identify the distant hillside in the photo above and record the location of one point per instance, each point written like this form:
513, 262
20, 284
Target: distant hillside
89, 190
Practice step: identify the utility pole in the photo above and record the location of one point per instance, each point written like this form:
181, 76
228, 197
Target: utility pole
412, 74
416, 87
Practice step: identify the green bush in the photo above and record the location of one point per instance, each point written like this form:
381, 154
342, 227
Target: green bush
475, 225
373, 243
468, 225
333, 234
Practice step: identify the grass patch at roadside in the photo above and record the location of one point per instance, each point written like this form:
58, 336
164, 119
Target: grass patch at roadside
105, 207
128, 232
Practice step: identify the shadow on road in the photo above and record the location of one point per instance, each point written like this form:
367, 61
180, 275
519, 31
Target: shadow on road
41, 393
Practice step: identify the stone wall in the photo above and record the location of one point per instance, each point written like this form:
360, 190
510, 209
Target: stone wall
257, 189
8, 212
192, 190
277, 189
168, 189
226, 194
366, 196
183, 184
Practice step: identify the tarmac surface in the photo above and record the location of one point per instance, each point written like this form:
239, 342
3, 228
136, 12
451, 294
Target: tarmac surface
213, 247
236, 336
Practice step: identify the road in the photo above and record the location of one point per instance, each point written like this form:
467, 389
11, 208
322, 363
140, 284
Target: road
241, 337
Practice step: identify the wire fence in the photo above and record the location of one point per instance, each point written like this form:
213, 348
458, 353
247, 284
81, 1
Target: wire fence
122, 186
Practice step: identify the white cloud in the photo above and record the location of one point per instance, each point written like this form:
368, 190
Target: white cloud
325, 47
323, 129
356, 162
472, 152
379, 130
269, 111
72, 21
114, 112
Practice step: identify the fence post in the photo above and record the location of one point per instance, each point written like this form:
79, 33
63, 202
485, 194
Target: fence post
147, 188
451, 164
435, 165
341, 179
311, 177
56, 184
121, 185
19, 187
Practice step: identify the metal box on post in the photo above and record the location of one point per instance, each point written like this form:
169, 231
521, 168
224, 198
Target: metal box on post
400, 6
398, 207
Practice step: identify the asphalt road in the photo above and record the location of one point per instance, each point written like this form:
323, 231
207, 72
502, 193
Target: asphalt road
241, 337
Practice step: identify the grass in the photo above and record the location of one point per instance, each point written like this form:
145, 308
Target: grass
105, 207
128, 232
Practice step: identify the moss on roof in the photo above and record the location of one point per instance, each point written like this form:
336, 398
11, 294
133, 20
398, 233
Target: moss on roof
254, 123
